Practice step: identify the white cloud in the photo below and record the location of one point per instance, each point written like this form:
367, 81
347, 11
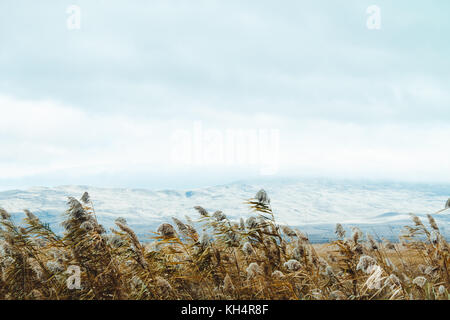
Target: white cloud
45, 137
107, 98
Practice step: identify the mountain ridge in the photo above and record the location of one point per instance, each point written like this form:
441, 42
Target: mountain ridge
312, 205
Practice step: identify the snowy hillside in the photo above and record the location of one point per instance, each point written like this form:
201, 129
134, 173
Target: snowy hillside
313, 205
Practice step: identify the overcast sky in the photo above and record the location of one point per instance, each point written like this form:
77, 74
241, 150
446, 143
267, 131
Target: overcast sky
110, 104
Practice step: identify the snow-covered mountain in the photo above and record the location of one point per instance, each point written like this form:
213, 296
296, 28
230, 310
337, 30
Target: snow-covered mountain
315, 206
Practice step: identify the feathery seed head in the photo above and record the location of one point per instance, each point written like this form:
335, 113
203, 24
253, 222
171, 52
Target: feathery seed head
252, 223
204, 240
262, 197
420, 281
372, 243
67, 225
100, 229
393, 280
288, 231
4, 214
441, 290
232, 239
115, 241
167, 231
180, 225
36, 269
185, 229
202, 211
121, 220
299, 251
357, 234
253, 270
431, 271
219, 216
76, 210
85, 198
292, 265
416, 220
247, 248
432, 222
277, 274
30, 215
340, 232
87, 226
365, 264
375, 279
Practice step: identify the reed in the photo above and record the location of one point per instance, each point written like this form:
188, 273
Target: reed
252, 259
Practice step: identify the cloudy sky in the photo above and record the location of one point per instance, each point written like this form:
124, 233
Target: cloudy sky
145, 93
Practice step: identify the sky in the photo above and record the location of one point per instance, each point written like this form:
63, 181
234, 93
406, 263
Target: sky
180, 93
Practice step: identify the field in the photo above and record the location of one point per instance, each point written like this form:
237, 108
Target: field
221, 259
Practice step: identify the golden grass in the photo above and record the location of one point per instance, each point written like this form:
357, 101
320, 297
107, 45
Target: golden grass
252, 259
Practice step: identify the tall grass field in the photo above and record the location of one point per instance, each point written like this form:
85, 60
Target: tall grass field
256, 258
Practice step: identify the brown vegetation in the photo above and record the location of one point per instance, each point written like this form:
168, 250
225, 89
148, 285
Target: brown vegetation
252, 259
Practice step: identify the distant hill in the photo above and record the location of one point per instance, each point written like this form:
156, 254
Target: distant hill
313, 205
